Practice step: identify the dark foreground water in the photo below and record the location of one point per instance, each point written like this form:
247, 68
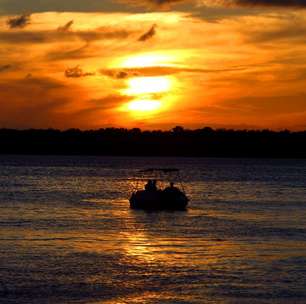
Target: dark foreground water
68, 235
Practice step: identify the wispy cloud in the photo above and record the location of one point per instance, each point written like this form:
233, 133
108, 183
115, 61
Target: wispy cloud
66, 27
46, 36
160, 71
258, 2
19, 21
77, 72
162, 4
149, 34
5, 67
74, 53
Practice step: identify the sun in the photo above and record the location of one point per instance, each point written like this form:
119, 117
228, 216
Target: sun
147, 85
149, 95
147, 60
144, 105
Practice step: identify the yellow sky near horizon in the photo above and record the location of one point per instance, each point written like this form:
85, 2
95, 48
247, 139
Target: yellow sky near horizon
154, 70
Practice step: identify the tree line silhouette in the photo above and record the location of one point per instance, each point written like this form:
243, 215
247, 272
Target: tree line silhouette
206, 142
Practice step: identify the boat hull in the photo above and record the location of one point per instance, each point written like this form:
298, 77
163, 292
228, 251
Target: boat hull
157, 200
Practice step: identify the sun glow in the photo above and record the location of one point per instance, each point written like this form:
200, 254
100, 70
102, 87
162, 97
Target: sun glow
149, 93
147, 85
148, 60
144, 105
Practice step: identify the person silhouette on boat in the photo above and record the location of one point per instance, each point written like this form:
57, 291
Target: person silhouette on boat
171, 189
151, 185
148, 185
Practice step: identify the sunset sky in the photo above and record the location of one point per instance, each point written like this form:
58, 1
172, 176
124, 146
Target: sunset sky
153, 64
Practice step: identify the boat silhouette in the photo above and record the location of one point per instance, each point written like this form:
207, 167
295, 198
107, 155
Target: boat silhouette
154, 198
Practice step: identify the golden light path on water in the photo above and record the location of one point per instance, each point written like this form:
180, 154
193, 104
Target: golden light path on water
156, 253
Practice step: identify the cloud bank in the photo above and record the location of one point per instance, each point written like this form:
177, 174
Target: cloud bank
19, 7
163, 3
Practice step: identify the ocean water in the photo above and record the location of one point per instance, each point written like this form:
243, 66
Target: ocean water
67, 234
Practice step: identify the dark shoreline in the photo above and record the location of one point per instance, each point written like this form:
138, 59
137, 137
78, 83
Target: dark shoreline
178, 142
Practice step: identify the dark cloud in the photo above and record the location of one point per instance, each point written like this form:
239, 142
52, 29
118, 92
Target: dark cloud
159, 71
274, 111
37, 102
18, 6
55, 36
100, 107
77, 72
269, 2
104, 33
74, 53
119, 74
149, 34
263, 106
66, 27
108, 102
19, 21
41, 102
163, 3
286, 32
43, 83
5, 67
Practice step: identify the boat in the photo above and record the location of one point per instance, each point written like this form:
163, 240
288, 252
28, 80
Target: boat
151, 197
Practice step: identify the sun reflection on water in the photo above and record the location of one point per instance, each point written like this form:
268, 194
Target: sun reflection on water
139, 246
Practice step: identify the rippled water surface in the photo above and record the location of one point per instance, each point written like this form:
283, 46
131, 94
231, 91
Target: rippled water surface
68, 235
